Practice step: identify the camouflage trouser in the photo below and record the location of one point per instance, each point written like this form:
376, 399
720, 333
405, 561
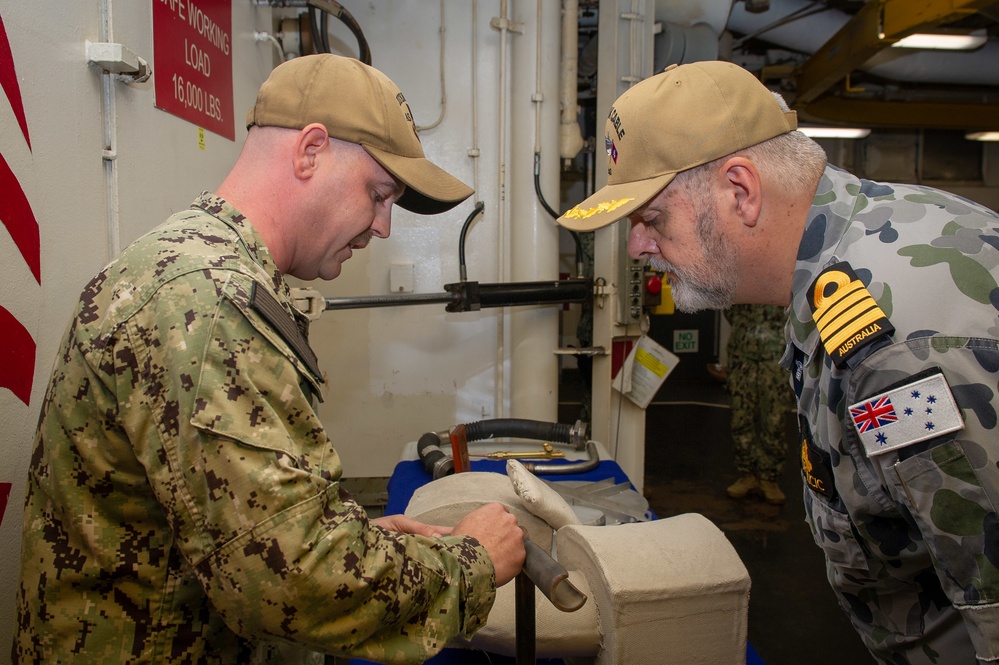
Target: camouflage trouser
761, 400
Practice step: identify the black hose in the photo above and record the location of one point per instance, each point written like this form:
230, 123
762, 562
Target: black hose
436, 462
320, 27
314, 28
548, 208
324, 30
520, 428
479, 207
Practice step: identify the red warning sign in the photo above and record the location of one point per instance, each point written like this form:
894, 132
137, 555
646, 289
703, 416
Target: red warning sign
192, 62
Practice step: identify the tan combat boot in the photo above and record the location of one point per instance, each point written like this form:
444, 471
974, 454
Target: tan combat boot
772, 492
742, 487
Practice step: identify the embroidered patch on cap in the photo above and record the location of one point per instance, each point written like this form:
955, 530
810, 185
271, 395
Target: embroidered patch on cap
845, 312
914, 412
611, 149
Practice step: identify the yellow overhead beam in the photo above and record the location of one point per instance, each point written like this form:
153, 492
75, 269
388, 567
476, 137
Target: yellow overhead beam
875, 26
903, 17
928, 115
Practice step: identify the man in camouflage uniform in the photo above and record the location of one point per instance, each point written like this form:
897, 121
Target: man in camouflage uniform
892, 339
184, 503
761, 400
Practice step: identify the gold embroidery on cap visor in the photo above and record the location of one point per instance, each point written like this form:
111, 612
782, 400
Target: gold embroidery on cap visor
604, 206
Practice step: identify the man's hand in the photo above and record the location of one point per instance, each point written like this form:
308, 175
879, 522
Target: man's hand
404, 524
497, 530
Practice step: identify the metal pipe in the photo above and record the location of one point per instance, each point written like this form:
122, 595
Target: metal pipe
542, 571
570, 135
110, 151
533, 252
551, 578
503, 231
358, 302
582, 466
525, 619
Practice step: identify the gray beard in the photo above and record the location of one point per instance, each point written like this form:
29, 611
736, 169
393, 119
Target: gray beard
688, 295
708, 284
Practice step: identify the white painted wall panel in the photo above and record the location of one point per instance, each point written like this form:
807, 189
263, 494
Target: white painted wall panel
395, 374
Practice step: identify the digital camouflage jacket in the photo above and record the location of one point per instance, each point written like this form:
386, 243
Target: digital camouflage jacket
183, 501
894, 358
757, 332
757, 386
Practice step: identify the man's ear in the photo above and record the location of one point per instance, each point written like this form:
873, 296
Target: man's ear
308, 143
743, 189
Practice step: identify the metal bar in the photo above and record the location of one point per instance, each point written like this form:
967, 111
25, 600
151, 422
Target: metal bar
389, 301
469, 296
525, 620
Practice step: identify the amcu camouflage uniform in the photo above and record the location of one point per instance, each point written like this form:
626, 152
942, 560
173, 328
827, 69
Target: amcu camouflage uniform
894, 310
183, 500
758, 387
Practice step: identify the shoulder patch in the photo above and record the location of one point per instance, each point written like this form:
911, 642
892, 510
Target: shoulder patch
845, 313
919, 410
264, 303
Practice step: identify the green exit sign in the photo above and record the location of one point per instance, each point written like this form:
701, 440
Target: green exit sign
685, 341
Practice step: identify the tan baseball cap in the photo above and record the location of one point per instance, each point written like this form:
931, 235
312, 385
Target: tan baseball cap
358, 104
686, 116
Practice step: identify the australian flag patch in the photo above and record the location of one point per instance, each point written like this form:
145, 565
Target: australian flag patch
920, 410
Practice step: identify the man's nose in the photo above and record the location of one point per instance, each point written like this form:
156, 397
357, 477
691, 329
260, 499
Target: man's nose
381, 227
640, 243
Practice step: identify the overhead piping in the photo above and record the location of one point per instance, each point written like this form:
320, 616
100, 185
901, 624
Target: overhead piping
570, 135
812, 29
